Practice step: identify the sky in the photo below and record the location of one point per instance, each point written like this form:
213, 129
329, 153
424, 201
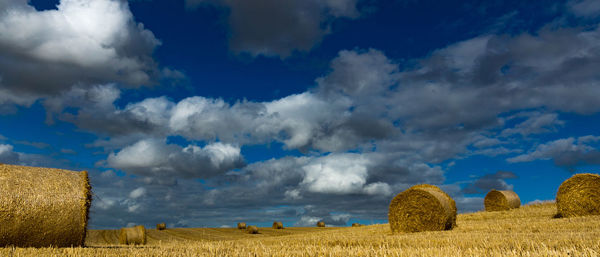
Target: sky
205, 113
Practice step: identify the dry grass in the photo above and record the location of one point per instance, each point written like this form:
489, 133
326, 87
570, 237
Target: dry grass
526, 231
579, 196
42, 207
501, 200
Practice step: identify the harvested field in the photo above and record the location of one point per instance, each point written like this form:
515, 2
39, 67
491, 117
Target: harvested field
526, 231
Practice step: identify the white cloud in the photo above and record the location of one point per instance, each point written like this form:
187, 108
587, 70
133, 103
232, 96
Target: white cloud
336, 174
584, 8
307, 221
152, 157
378, 188
83, 42
7, 155
137, 193
567, 152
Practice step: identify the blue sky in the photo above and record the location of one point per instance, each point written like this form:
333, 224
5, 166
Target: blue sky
204, 113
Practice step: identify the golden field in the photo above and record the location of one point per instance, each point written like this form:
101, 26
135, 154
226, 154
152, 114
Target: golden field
528, 231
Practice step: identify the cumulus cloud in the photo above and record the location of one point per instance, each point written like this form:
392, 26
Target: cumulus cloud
535, 123
7, 155
280, 27
488, 182
584, 8
79, 43
336, 174
155, 158
370, 127
137, 193
566, 152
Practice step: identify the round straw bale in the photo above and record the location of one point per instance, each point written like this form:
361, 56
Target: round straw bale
501, 200
133, 236
42, 207
277, 225
422, 208
252, 230
241, 225
321, 224
453, 209
579, 196
161, 226
356, 225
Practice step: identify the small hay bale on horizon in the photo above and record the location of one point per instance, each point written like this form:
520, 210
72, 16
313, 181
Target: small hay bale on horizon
161, 226
501, 200
43, 207
579, 196
241, 225
422, 208
277, 225
321, 224
252, 230
133, 236
357, 225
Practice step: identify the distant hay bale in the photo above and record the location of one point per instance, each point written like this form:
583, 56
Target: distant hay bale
579, 196
277, 225
501, 200
356, 225
321, 224
133, 236
422, 208
161, 226
252, 230
241, 225
42, 207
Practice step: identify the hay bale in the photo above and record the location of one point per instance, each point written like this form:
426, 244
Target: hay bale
579, 196
161, 226
42, 207
501, 200
252, 230
133, 236
241, 225
277, 225
422, 208
321, 224
453, 209
356, 225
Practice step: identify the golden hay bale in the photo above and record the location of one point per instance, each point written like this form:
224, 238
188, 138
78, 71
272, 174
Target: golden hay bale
421, 208
252, 230
501, 200
579, 196
42, 207
321, 224
241, 225
277, 225
452, 202
161, 226
133, 236
356, 225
